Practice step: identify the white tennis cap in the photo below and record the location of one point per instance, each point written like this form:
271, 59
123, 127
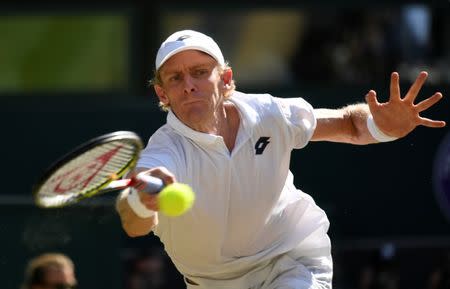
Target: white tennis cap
186, 40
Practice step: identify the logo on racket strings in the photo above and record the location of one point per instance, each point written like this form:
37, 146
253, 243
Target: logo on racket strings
81, 176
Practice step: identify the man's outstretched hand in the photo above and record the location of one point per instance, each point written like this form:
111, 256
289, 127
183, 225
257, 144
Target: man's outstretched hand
400, 115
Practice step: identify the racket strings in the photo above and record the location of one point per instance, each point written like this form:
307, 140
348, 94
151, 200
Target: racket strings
85, 174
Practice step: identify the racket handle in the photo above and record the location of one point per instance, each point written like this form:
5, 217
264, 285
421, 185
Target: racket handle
147, 184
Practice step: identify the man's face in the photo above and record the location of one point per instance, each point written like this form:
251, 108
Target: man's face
192, 86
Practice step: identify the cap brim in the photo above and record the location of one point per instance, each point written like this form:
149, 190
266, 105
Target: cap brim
184, 48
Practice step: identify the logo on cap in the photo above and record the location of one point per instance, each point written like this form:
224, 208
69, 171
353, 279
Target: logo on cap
181, 38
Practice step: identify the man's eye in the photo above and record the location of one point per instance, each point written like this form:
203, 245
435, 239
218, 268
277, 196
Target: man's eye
174, 78
201, 72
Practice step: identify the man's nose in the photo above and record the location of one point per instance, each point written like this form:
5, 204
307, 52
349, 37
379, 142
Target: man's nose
189, 84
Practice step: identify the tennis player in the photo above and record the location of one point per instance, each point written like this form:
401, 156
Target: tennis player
250, 227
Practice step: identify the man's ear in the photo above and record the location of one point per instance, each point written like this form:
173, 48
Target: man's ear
161, 94
227, 76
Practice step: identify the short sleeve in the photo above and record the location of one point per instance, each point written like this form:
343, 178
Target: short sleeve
299, 115
157, 154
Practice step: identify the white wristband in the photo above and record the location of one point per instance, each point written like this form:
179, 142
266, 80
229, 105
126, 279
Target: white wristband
138, 207
376, 132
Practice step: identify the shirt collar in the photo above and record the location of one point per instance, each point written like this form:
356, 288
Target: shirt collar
188, 132
249, 117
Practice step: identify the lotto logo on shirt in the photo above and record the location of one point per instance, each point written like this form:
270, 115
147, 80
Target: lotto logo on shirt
261, 144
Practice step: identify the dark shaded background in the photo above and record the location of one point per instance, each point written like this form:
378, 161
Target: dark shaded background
70, 72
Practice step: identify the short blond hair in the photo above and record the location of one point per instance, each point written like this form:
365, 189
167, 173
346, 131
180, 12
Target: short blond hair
156, 80
39, 266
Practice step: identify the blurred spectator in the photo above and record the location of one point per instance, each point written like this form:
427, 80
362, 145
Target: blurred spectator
440, 277
382, 271
50, 271
415, 33
150, 269
311, 61
360, 50
361, 45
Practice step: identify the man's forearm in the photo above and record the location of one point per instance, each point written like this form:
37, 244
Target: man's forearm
133, 225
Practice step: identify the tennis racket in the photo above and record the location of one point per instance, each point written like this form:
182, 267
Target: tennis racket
93, 168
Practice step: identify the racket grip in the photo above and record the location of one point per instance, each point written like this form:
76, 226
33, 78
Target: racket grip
147, 184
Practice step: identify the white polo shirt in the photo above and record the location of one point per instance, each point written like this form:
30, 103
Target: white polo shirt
247, 209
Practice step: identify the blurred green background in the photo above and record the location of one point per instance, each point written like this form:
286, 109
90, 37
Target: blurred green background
37, 51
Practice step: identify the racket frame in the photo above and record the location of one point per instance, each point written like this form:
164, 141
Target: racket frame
81, 149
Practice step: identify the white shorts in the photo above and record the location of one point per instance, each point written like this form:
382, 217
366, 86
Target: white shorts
287, 271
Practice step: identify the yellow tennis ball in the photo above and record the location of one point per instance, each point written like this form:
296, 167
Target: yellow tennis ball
175, 199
